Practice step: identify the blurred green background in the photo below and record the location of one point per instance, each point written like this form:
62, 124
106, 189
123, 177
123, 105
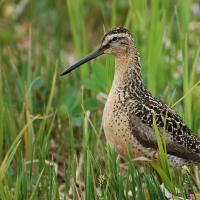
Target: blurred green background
59, 118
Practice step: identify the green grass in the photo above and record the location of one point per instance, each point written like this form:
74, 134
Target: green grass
48, 121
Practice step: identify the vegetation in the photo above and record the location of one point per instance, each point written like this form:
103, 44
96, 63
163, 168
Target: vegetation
51, 141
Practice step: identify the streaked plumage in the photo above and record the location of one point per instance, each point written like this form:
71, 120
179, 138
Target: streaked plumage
130, 108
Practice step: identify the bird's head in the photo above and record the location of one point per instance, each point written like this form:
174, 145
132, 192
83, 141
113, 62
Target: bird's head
117, 41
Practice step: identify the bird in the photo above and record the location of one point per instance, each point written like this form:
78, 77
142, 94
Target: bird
131, 110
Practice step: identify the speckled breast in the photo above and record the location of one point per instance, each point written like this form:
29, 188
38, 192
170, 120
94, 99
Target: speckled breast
116, 126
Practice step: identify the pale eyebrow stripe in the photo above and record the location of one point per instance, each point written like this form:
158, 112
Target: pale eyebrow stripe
125, 35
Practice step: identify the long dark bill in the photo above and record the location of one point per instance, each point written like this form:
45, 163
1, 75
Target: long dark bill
89, 57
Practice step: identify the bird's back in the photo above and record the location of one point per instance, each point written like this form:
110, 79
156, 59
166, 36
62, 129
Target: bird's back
128, 119
180, 141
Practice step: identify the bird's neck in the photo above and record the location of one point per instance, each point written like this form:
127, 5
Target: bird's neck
127, 68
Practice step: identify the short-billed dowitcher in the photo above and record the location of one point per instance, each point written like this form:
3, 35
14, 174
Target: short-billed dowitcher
130, 108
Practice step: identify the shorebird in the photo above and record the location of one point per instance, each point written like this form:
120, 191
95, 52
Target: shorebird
131, 108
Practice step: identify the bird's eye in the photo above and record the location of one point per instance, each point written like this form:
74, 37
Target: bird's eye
114, 39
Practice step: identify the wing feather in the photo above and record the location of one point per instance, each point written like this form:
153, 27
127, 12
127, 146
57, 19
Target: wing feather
179, 138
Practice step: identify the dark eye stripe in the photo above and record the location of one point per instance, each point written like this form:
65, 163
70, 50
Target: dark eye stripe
117, 38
